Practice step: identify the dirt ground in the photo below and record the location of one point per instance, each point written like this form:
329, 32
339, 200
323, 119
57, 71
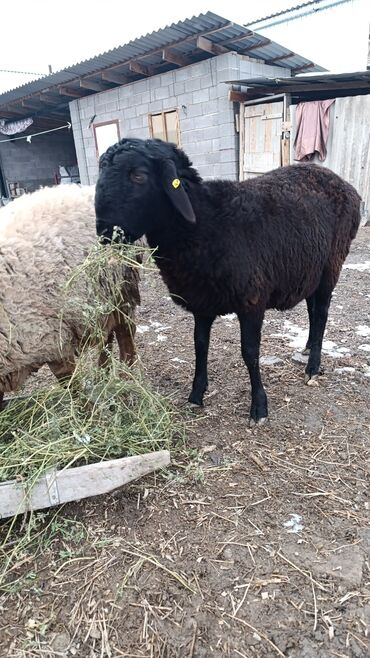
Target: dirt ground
255, 543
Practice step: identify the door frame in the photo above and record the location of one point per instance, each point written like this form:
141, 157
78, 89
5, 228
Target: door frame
285, 127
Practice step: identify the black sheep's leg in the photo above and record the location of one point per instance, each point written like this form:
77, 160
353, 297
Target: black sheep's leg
202, 331
322, 303
250, 332
310, 301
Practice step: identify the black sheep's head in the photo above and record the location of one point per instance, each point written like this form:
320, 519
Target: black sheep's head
141, 184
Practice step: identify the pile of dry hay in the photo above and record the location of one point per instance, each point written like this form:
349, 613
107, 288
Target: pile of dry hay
101, 414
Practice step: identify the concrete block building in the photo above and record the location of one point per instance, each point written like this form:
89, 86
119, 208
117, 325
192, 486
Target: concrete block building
170, 84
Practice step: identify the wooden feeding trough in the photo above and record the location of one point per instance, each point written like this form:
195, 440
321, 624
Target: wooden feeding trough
58, 487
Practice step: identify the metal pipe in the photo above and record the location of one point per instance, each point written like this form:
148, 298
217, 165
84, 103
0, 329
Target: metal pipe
259, 25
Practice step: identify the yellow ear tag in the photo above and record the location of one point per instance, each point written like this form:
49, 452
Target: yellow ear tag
176, 183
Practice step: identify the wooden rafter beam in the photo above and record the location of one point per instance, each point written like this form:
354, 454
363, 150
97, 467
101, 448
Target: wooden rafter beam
279, 59
30, 106
136, 67
15, 111
210, 47
49, 100
237, 96
112, 76
232, 40
73, 93
173, 58
310, 65
255, 46
85, 83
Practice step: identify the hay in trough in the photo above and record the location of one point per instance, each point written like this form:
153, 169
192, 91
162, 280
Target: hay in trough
102, 413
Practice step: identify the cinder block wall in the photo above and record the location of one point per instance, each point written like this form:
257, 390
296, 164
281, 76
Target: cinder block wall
35, 164
198, 92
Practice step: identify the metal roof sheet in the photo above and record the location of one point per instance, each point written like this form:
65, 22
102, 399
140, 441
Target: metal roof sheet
301, 88
300, 81
182, 37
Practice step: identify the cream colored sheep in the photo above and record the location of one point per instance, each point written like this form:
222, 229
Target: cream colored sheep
44, 236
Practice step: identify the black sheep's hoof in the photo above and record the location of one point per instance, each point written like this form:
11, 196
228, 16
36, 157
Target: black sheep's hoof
196, 398
258, 423
311, 380
259, 411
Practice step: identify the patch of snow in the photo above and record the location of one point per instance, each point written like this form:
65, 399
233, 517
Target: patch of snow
294, 524
344, 369
270, 360
297, 338
161, 338
229, 317
363, 330
330, 348
367, 372
158, 326
298, 357
360, 267
177, 360
142, 328
364, 347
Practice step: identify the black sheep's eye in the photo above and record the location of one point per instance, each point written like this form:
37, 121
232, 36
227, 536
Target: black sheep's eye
139, 177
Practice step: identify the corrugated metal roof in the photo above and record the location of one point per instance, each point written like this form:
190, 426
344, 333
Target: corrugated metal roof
302, 88
181, 38
218, 30
300, 81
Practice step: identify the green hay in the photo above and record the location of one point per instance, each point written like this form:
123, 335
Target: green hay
102, 414
98, 287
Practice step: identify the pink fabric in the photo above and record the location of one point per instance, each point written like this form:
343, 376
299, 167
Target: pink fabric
312, 129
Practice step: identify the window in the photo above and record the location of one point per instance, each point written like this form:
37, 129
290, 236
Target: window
165, 125
106, 134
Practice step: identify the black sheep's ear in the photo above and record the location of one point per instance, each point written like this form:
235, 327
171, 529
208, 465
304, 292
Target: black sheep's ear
176, 192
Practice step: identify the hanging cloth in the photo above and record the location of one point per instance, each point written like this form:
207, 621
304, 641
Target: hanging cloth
313, 120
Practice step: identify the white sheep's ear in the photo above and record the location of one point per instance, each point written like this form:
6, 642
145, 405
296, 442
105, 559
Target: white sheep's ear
176, 192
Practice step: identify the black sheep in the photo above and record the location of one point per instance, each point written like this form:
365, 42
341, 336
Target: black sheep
227, 247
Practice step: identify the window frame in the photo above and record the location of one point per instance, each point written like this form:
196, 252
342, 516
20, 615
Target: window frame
99, 125
164, 124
